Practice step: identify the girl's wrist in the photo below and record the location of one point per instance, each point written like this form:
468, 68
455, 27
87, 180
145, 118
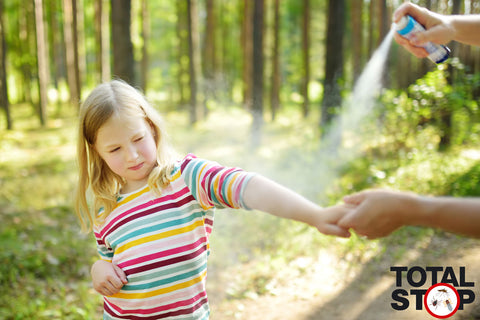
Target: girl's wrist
314, 216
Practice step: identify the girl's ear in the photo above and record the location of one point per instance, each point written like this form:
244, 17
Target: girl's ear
153, 130
92, 150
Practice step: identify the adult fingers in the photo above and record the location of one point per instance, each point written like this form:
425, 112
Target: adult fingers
417, 51
418, 13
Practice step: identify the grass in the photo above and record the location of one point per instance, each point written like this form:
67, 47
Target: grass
45, 260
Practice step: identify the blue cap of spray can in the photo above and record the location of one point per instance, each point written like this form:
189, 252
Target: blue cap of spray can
408, 26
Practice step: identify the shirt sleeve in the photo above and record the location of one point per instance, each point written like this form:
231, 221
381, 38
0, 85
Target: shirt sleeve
214, 185
103, 250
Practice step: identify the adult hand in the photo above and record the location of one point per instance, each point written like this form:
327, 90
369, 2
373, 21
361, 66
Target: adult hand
378, 212
439, 28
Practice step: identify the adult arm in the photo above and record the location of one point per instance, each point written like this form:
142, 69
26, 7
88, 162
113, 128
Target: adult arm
380, 212
440, 29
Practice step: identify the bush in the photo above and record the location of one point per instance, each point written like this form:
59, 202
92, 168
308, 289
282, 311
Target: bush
448, 113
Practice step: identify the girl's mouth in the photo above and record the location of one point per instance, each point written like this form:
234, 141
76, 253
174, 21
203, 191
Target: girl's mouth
137, 167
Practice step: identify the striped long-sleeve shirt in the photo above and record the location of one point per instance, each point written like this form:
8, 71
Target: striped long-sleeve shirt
162, 243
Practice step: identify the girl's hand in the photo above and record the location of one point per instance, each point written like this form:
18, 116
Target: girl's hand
327, 221
107, 278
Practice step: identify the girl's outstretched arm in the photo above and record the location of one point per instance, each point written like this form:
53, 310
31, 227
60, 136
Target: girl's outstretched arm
268, 196
107, 278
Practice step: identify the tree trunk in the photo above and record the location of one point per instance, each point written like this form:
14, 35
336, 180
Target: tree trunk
106, 68
275, 88
182, 51
306, 56
257, 80
357, 37
98, 9
192, 25
27, 47
247, 54
4, 102
383, 21
102, 53
145, 34
475, 52
384, 25
71, 51
122, 41
55, 61
446, 113
79, 36
371, 28
210, 51
332, 98
42, 62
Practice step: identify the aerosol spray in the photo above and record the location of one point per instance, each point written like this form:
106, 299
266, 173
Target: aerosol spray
407, 27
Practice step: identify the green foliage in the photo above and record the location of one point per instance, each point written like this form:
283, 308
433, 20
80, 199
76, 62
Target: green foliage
417, 113
400, 151
466, 184
45, 261
44, 265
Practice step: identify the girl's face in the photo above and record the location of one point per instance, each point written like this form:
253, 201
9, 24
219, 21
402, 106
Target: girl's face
127, 145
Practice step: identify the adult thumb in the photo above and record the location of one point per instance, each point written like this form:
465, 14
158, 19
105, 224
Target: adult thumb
347, 221
354, 199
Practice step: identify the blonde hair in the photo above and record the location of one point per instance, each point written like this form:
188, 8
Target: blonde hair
104, 101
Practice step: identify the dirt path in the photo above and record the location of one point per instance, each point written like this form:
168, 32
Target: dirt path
330, 288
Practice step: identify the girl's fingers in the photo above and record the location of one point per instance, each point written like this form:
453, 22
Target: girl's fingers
121, 274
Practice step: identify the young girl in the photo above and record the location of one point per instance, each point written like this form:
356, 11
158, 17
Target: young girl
152, 216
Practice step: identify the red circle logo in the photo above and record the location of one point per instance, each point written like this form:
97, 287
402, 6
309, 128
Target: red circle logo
441, 300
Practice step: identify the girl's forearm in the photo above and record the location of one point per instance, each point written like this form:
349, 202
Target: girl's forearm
268, 196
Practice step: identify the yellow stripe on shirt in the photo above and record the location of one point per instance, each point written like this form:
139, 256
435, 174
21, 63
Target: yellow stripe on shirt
159, 236
133, 196
179, 286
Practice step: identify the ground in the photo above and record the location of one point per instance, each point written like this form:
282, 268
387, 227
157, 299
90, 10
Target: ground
332, 287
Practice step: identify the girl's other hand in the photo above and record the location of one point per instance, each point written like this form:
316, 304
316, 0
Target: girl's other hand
107, 278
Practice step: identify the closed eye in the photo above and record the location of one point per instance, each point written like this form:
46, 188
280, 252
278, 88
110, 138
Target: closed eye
114, 149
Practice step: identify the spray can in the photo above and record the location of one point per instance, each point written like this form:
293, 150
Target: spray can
407, 27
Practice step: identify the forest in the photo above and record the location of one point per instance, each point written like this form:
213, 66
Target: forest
265, 85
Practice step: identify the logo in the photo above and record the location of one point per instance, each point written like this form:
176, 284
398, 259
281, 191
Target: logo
442, 300
446, 292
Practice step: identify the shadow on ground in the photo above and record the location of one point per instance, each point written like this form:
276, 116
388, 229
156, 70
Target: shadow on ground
369, 295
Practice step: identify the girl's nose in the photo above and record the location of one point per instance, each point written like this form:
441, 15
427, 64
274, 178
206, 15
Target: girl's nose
132, 153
